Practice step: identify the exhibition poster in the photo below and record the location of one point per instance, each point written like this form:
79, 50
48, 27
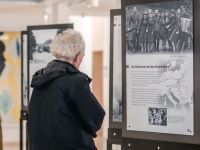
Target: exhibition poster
39, 41
117, 70
159, 67
40, 54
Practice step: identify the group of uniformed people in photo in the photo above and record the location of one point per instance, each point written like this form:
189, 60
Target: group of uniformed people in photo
159, 30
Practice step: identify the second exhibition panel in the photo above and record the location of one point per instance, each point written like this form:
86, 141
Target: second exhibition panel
115, 92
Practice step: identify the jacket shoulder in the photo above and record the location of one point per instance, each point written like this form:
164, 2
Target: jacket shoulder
71, 82
79, 77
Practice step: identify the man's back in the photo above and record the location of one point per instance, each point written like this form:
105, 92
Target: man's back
63, 113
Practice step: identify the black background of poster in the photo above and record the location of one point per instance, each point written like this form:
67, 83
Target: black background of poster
131, 138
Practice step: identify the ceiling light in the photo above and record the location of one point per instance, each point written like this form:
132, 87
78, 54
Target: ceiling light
89, 6
93, 3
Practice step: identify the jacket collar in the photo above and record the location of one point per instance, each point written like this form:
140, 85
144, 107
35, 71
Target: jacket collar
69, 67
72, 69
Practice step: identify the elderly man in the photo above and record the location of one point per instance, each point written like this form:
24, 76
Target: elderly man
63, 112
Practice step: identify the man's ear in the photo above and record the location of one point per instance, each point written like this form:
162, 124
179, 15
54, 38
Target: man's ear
76, 57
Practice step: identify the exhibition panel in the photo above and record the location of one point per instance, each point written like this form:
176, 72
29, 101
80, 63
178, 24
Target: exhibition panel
160, 39
115, 92
24, 90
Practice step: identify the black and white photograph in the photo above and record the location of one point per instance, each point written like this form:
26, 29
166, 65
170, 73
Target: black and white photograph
164, 27
39, 40
157, 116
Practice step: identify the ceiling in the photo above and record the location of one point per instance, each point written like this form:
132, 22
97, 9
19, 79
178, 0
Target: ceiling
20, 0
83, 6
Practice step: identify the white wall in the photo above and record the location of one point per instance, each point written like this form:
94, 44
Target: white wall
84, 25
99, 30
18, 20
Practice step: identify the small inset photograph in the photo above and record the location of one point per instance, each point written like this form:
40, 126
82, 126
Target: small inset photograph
157, 116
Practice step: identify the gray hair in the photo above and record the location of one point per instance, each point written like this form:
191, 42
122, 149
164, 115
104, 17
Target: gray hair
67, 45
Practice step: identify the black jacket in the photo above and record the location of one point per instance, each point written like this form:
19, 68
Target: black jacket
63, 112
